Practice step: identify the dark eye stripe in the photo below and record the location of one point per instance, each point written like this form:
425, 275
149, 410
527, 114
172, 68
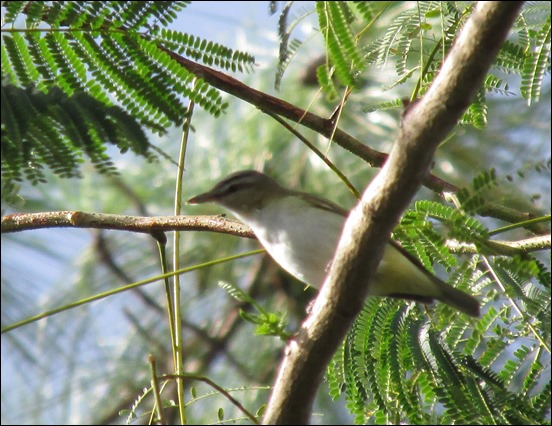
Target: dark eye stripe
238, 181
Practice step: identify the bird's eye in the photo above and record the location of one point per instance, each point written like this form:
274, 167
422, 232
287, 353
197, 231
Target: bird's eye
231, 189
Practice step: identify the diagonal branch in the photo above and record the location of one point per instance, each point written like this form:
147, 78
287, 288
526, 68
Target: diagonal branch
368, 228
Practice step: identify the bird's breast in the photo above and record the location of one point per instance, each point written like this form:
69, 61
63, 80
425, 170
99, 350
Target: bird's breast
302, 241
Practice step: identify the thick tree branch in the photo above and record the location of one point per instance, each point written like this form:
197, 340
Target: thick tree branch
368, 228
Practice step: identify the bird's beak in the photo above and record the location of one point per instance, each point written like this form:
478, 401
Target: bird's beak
202, 198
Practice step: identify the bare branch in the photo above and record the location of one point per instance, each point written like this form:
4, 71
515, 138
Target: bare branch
368, 228
147, 225
505, 248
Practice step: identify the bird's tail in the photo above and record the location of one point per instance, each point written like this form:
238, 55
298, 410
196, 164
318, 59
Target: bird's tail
459, 300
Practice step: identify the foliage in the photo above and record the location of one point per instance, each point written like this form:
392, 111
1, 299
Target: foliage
399, 365
354, 44
266, 323
75, 62
83, 126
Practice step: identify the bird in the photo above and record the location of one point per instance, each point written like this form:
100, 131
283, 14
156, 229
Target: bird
301, 231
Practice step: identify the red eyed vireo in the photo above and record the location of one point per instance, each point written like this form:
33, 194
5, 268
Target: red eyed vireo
301, 231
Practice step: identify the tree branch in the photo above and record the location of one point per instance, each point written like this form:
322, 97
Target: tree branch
19, 222
369, 226
147, 225
505, 248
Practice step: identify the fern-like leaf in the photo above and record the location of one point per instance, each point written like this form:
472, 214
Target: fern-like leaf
333, 18
536, 64
113, 52
82, 126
